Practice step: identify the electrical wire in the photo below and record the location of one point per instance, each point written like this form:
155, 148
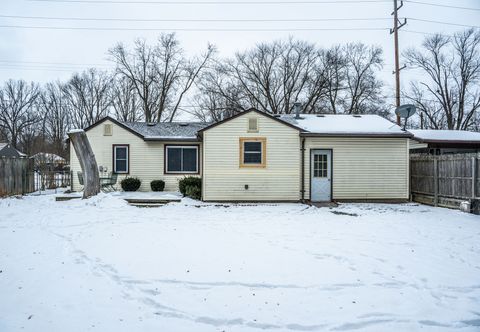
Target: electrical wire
195, 20
441, 5
277, 2
190, 29
446, 23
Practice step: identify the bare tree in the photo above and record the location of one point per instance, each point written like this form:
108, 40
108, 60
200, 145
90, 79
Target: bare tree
18, 108
139, 66
125, 101
161, 74
270, 76
334, 67
362, 88
56, 117
88, 97
450, 97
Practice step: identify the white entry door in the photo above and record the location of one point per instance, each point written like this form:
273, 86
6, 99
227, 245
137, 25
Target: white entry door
321, 175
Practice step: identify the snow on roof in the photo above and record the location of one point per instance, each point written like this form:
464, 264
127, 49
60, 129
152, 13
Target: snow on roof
344, 124
427, 135
48, 156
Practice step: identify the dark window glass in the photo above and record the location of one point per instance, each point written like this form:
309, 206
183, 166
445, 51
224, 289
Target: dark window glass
189, 160
253, 146
182, 160
174, 159
121, 166
121, 153
121, 159
252, 152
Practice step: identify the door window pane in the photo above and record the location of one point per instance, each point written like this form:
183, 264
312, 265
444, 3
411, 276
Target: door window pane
320, 165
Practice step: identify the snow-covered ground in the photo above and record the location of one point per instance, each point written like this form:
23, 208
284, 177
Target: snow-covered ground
101, 265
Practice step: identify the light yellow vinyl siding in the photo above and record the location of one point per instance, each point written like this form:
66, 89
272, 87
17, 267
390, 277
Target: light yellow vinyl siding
364, 168
146, 158
225, 180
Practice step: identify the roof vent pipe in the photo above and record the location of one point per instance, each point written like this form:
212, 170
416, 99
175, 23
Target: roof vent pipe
297, 107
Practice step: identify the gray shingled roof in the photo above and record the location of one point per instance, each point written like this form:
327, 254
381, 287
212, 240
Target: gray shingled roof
167, 130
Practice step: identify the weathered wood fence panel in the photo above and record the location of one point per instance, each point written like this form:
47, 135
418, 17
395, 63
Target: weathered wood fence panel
445, 180
16, 176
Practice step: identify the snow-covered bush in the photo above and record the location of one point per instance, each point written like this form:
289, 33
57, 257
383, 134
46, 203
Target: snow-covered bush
130, 184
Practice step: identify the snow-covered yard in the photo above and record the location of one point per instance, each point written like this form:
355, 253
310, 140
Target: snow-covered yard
101, 265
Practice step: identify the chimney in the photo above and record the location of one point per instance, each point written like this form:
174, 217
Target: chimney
297, 107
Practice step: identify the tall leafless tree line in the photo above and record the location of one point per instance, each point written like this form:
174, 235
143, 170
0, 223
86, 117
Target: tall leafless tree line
273, 76
159, 82
449, 97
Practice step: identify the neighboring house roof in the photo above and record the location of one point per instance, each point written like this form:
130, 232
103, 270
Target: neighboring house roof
48, 157
345, 125
7, 150
162, 131
445, 136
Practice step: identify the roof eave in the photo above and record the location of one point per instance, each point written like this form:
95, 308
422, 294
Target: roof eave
443, 141
366, 134
170, 139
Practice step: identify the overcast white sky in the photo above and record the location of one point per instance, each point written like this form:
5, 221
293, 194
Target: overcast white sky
42, 55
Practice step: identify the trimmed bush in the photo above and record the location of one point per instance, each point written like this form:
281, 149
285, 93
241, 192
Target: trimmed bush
130, 184
189, 181
191, 186
157, 185
194, 192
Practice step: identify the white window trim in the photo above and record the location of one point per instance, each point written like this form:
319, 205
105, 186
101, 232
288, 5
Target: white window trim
181, 160
126, 159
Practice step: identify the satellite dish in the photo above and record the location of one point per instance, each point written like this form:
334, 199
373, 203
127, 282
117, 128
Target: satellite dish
405, 111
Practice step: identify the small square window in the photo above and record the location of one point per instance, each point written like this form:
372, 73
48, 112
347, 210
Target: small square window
252, 152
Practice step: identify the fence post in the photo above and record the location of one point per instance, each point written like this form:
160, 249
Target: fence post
474, 177
435, 179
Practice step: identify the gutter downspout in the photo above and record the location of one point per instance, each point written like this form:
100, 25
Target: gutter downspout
303, 170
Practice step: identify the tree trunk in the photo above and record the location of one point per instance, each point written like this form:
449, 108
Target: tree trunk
85, 155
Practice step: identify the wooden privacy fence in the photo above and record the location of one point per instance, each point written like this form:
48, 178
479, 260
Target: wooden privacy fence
445, 180
16, 176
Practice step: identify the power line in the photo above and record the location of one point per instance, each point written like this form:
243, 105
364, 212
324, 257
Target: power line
195, 20
446, 23
190, 29
13, 62
231, 20
440, 5
276, 2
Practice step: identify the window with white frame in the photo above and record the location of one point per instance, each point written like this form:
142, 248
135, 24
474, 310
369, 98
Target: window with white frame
121, 159
181, 159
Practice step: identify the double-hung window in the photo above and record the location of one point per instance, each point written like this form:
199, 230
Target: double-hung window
252, 152
181, 159
121, 159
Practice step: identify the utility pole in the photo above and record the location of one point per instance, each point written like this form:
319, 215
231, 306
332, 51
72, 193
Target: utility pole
397, 25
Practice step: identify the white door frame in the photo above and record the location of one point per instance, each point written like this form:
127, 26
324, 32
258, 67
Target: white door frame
328, 180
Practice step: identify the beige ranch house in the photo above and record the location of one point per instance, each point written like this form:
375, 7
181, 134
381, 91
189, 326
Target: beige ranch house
255, 156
